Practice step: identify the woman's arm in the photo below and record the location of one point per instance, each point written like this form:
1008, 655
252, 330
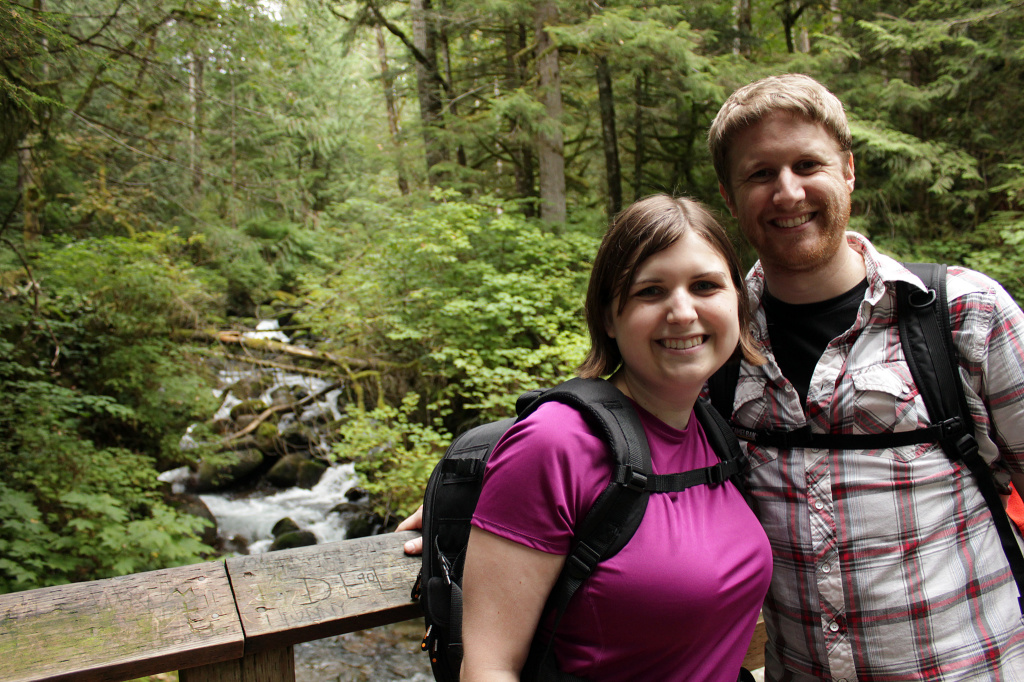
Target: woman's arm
505, 586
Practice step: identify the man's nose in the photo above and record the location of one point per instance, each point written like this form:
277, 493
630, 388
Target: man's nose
789, 189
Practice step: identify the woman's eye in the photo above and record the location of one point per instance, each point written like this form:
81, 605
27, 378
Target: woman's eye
647, 292
706, 286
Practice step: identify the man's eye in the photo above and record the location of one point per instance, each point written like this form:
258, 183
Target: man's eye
760, 176
806, 166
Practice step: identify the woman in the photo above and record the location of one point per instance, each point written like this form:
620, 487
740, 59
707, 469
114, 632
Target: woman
680, 601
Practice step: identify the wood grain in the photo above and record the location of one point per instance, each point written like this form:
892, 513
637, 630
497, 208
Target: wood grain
313, 592
120, 628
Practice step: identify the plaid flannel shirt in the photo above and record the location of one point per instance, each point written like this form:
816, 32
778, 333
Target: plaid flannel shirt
887, 564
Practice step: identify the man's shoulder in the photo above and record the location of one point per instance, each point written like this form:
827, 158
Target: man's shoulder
962, 281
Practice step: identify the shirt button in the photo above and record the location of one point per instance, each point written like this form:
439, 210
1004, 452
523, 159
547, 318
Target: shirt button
827, 568
833, 626
789, 388
819, 505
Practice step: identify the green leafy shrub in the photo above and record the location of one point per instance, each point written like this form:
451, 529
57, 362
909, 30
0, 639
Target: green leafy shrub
70, 510
458, 307
95, 393
393, 454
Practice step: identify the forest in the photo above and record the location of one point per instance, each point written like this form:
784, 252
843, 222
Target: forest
415, 190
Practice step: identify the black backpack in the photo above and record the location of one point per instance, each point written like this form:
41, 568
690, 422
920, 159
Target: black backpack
454, 488
927, 341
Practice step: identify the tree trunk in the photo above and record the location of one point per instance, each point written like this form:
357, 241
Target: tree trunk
234, 156
195, 94
29, 191
424, 37
388, 82
606, 103
744, 27
639, 142
550, 145
460, 149
520, 149
803, 40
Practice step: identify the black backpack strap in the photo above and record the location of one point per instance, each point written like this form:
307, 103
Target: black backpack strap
722, 439
618, 510
610, 413
722, 388
927, 341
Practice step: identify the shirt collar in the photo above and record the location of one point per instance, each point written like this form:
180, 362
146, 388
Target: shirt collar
881, 270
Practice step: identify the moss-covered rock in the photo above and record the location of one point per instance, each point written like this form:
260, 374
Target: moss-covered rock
251, 386
226, 468
299, 436
297, 538
363, 525
194, 505
285, 525
285, 472
250, 407
266, 437
310, 472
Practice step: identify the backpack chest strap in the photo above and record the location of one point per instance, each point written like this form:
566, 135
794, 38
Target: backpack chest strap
670, 483
946, 431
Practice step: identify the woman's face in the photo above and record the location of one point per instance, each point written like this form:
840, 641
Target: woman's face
680, 322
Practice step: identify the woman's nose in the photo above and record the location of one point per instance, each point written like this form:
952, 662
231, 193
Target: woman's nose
681, 309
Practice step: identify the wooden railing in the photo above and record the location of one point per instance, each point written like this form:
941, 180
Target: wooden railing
226, 621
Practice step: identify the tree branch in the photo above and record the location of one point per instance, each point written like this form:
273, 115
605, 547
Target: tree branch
417, 55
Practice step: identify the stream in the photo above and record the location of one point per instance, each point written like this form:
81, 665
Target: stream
389, 653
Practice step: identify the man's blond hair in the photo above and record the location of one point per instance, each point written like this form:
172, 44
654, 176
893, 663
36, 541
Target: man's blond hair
792, 92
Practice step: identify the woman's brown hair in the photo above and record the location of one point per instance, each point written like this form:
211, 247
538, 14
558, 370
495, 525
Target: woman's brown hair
640, 231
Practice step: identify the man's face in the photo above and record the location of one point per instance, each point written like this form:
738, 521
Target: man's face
789, 188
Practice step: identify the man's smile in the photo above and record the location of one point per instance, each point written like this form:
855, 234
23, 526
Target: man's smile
793, 222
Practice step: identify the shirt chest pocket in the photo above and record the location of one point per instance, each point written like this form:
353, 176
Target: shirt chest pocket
885, 399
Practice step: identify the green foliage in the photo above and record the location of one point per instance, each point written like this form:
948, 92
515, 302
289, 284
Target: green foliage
394, 453
71, 510
96, 392
479, 301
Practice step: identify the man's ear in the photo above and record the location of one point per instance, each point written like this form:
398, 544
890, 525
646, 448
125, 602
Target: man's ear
728, 198
850, 176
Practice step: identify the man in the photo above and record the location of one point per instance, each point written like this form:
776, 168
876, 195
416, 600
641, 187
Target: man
887, 564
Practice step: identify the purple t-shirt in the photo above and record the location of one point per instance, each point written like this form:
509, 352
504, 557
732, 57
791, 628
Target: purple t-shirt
680, 601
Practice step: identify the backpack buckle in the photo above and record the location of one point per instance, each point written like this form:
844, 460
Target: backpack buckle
967, 446
716, 475
446, 566
582, 561
631, 478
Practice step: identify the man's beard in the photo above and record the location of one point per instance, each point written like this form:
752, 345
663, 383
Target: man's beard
833, 216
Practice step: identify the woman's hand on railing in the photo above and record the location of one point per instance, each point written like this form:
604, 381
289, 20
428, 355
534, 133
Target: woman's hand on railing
414, 522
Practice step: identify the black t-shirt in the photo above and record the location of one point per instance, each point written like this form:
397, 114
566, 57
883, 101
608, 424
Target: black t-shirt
800, 332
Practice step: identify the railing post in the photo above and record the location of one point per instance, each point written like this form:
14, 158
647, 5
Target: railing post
274, 665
